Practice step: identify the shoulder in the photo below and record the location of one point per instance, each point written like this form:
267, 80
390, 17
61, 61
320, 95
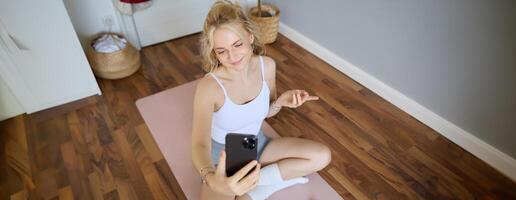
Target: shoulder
269, 63
207, 85
207, 90
269, 67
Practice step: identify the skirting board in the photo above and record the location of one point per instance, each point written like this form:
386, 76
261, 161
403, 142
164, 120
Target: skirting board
492, 156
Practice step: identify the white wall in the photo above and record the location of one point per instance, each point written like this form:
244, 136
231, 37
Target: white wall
88, 18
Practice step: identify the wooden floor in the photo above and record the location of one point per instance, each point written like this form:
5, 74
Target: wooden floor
100, 147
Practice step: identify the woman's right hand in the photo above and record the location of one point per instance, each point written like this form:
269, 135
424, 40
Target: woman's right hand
239, 183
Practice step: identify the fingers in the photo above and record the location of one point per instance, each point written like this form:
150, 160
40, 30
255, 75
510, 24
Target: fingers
221, 167
307, 97
299, 97
242, 172
304, 94
296, 99
311, 98
252, 179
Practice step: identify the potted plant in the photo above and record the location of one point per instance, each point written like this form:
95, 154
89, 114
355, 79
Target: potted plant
266, 16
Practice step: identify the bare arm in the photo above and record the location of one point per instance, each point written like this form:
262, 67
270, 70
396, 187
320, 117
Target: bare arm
274, 109
201, 125
270, 71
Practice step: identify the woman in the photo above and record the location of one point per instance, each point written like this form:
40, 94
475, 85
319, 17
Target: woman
235, 97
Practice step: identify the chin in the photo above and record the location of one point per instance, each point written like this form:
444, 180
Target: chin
238, 67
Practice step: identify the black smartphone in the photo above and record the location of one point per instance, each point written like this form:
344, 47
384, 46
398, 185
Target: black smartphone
240, 150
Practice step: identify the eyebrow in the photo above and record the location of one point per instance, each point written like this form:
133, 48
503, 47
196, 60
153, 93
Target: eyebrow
232, 44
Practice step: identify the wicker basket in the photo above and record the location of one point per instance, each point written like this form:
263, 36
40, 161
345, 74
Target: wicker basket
115, 65
268, 25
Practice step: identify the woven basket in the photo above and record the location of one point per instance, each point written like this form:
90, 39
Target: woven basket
115, 65
268, 25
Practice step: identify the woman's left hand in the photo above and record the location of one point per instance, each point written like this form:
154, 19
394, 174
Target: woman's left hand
295, 98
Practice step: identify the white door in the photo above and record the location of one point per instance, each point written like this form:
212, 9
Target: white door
43, 63
169, 19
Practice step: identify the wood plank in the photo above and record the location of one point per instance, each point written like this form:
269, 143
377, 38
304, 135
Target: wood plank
136, 176
126, 190
78, 183
21, 195
149, 143
65, 193
348, 184
169, 180
113, 195
45, 182
96, 186
429, 167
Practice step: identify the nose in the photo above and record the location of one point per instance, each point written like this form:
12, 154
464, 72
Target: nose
230, 55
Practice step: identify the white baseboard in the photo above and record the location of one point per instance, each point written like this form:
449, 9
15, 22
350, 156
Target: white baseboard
494, 157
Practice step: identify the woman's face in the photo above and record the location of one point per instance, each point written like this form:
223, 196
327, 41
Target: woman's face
230, 49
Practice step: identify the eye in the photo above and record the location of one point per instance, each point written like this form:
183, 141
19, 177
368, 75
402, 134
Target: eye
220, 52
238, 45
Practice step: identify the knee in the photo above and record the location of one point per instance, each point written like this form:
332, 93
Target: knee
321, 157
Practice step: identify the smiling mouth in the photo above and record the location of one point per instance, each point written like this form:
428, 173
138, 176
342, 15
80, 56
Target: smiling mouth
235, 63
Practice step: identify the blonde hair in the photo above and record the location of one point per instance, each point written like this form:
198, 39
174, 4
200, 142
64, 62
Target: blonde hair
224, 14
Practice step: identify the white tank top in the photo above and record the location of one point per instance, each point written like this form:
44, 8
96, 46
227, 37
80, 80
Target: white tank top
235, 118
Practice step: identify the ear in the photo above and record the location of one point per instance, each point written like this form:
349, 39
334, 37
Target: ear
251, 38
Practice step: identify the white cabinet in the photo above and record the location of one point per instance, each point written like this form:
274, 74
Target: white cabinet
42, 62
9, 105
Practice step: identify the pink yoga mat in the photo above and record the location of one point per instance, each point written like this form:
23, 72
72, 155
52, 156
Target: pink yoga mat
168, 115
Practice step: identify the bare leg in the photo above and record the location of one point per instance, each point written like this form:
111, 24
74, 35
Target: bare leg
296, 157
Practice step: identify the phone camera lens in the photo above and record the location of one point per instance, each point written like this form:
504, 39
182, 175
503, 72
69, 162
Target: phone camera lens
249, 143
